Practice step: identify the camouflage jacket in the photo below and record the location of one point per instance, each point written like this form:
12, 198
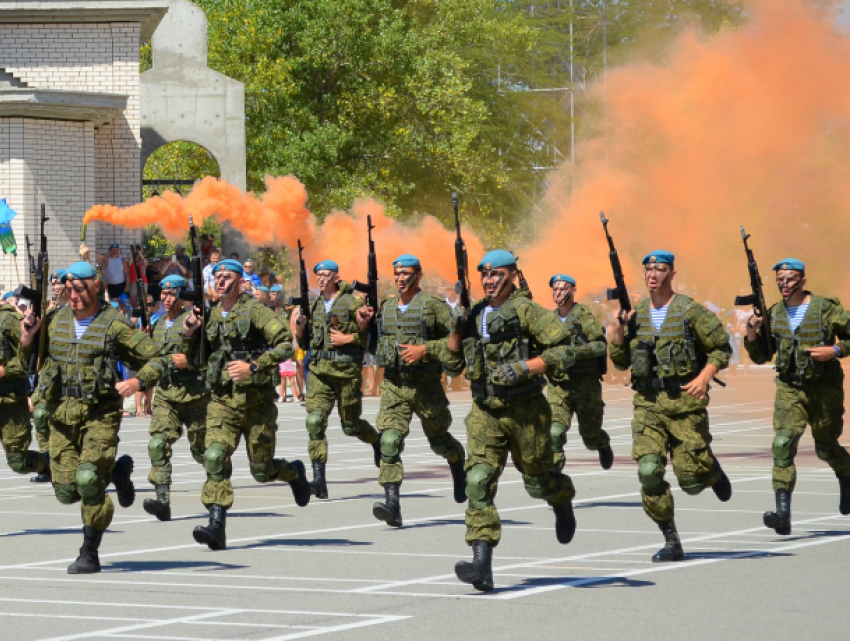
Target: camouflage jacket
13, 357
585, 334
176, 385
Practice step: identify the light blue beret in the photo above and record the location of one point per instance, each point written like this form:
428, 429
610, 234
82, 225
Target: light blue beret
230, 265
790, 263
497, 258
326, 264
562, 278
80, 271
8, 295
660, 256
59, 275
406, 260
262, 288
172, 282
276, 288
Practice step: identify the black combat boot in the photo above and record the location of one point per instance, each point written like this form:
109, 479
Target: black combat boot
844, 501
780, 520
44, 476
565, 523
319, 485
672, 550
606, 456
478, 572
459, 479
213, 535
88, 562
160, 507
123, 483
391, 510
376, 446
722, 487
301, 487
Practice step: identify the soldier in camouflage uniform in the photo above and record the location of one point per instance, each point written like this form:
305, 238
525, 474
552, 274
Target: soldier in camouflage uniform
14, 397
413, 328
579, 390
507, 343
674, 347
181, 399
337, 338
246, 342
80, 387
810, 333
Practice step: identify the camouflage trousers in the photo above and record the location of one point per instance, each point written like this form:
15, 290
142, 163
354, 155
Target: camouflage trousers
521, 429
686, 437
167, 426
820, 405
43, 439
256, 420
85, 453
582, 397
427, 399
16, 435
322, 393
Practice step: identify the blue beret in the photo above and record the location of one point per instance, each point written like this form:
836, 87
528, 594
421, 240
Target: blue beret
115, 246
326, 264
80, 271
230, 265
8, 295
262, 288
406, 260
790, 263
559, 278
114, 304
660, 256
276, 288
172, 282
497, 258
59, 275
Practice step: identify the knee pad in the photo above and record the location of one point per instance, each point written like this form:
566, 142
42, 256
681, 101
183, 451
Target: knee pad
262, 472
17, 461
391, 445
825, 451
691, 485
559, 435
536, 486
214, 459
66, 493
316, 425
39, 418
349, 428
198, 455
782, 448
88, 484
157, 450
650, 471
477, 481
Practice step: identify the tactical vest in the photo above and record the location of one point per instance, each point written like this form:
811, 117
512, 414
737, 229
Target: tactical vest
338, 318
792, 360
667, 357
85, 368
19, 385
7, 315
167, 342
508, 342
235, 339
408, 328
595, 366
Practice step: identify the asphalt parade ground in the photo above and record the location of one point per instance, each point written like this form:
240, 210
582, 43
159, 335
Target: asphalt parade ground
330, 570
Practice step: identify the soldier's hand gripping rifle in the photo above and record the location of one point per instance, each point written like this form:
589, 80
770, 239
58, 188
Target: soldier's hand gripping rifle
38, 294
370, 288
197, 296
619, 293
756, 299
142, 312
303, 298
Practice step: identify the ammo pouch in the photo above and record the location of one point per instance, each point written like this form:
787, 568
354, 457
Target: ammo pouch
387, 354
642, 359
49, 381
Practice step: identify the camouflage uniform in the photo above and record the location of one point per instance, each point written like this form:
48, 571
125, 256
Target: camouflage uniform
181, 398
665, 418
579, 390
504, 419
77, 384
415, 388
336, 373
250, 332
14, 390
807, 391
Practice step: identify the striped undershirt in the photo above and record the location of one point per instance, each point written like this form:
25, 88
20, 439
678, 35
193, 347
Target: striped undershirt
80, 326
658, 315
796, 314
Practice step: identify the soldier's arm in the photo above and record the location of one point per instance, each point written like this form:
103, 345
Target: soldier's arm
547, 332
438, 317
621, 353
838, 321
277, 335
136, 349
360, 335
17, 365
754, 348
597, 344
711, 335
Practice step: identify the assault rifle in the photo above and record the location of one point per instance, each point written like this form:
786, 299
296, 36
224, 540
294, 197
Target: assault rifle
38, 293
462, 286
756, 299
197, 296
303, 299
142, 312
370, 288
619, 293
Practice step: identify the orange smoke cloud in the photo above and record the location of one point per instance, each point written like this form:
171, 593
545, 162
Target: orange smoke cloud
749, 127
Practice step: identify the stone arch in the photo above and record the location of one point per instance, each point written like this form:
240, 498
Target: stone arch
192, 176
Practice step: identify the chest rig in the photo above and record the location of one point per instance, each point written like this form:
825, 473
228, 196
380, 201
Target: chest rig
234, 339
666, 358
408, 328
168, 342
85, 368
340, 318
576, 338
8, 384
792, 361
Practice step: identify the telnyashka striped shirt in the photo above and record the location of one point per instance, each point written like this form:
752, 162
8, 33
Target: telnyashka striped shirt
796, 314
658, 315
80, 326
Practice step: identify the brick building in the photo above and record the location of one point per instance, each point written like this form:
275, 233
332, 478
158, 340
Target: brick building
70, 117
